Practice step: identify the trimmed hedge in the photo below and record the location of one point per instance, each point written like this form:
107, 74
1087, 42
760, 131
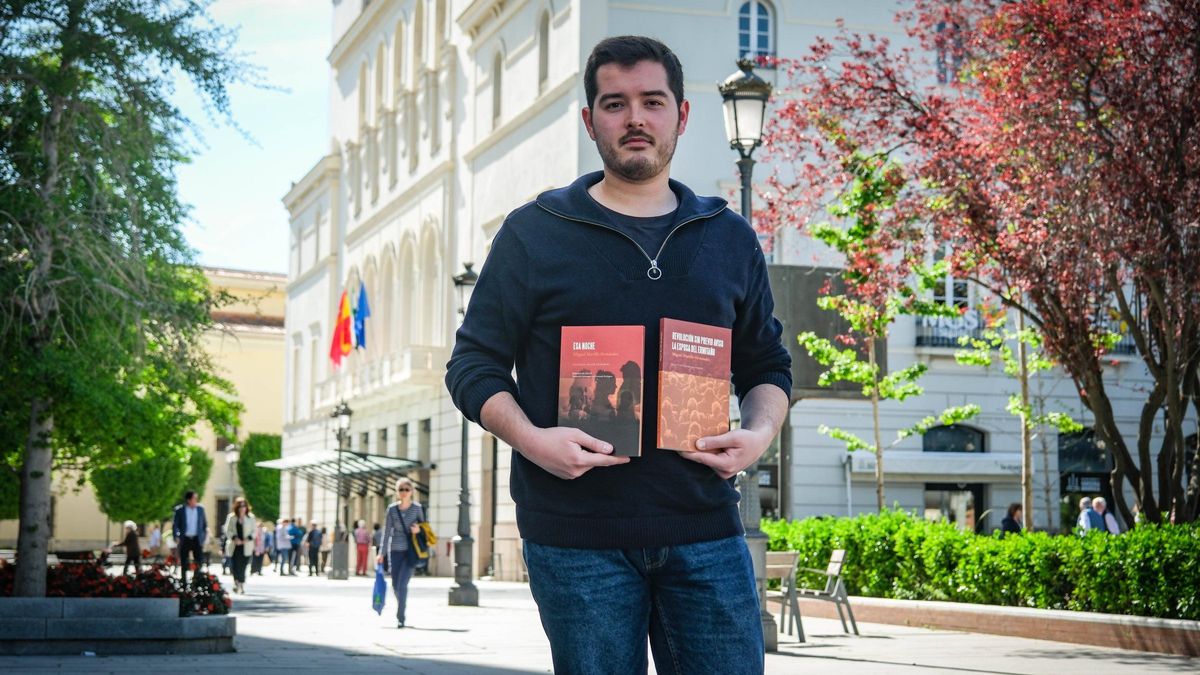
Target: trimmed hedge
1149, 571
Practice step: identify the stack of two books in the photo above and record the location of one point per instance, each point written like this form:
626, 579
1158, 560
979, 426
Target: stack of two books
600, 383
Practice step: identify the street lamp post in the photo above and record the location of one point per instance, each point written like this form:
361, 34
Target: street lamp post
339, 555
231, 458
745, 98
464, 592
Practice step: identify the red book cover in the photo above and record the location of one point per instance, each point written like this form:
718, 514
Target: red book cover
693, 383
600, 384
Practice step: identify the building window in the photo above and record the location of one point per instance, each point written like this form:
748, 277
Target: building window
497, 74
754, 31
953, 438
950, 291
543, 51
949, 52
364, 442
402, 441
381, 447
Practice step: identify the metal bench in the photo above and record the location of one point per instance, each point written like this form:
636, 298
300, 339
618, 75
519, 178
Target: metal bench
782, 565
835, 588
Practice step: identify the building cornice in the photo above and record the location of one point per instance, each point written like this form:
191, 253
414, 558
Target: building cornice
478, 13
367, 19
322, 266
329, 166
393, 205
509, 126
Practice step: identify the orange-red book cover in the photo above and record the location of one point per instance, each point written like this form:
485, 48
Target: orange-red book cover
600, 384
693, 383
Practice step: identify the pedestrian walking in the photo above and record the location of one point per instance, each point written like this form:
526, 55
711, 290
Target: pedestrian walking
362, 544
283, 547
1089, 519
1012, 522
154, 543
133, 550
240, 527
261, 545
326, 549
401, 522
189, 527
312, 543
1100, 506
621, 551
377, 538
296, 532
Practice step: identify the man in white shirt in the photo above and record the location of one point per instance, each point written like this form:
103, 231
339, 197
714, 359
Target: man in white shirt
190, 526
1099, 505
283, 548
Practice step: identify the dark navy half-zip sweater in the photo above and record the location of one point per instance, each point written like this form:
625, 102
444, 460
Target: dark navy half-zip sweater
559, 262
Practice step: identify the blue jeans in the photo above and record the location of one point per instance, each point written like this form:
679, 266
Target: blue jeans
402, 572
697, 603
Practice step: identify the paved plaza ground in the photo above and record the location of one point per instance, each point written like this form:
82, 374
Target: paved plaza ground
303, 624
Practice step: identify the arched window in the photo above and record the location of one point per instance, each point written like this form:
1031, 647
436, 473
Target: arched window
418, 42
543, 51
953, 438
380, 69
362, 95
497, 74
398, 62
755, 30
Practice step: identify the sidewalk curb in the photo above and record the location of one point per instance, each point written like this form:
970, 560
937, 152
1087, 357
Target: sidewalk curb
1146, 634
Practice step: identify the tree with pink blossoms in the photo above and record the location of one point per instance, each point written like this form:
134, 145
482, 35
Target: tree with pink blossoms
1056, 145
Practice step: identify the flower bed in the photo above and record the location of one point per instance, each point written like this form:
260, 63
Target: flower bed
204, 596
1149, 571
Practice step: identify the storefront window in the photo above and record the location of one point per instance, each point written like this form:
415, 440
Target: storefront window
957, 503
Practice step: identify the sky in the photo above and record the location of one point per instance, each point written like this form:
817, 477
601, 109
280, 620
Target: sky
236, 181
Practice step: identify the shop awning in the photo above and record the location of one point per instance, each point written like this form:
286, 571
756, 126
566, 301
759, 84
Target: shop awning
360, 472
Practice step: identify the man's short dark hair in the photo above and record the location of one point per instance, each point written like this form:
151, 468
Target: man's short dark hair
187, 496
626, 51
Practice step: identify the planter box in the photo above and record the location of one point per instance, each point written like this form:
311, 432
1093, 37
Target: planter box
57, 626
1147, 634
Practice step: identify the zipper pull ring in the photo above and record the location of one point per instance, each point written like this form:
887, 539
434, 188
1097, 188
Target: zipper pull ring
654, 273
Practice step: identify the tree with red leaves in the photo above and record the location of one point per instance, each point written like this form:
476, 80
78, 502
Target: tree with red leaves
1056, 144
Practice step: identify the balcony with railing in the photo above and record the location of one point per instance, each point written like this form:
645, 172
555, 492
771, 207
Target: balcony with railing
411, 369
945, 331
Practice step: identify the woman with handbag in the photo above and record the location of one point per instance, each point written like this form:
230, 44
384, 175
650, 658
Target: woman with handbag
239, 541
403, 517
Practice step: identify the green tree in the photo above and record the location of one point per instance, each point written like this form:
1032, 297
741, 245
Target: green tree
142, 490
200, 467
877, 292
995, 347
101, 310
261, 486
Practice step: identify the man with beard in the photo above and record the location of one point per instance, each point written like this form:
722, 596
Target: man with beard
619, 549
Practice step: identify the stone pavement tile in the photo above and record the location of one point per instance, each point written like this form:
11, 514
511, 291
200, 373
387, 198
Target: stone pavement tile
290, 625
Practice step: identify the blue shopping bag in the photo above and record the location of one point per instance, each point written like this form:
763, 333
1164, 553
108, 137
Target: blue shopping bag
379, 594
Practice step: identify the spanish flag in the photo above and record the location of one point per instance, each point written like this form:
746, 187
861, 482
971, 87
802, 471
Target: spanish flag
342, 342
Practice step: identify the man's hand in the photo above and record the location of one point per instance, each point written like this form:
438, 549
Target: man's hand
566, 452
730, 452
763, 411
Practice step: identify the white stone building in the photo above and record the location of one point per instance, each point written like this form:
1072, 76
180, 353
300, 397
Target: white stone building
445, 116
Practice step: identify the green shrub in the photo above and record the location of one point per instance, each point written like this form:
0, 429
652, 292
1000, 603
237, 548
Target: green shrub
1148, 571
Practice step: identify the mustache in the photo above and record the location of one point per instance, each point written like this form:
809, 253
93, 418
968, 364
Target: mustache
631, 136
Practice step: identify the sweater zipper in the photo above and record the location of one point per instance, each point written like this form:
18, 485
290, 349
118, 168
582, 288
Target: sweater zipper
653, 272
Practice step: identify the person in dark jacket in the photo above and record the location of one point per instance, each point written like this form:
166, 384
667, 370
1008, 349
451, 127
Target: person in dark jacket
133, 549
619, 549
190, 528
313, 539
1012, 522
